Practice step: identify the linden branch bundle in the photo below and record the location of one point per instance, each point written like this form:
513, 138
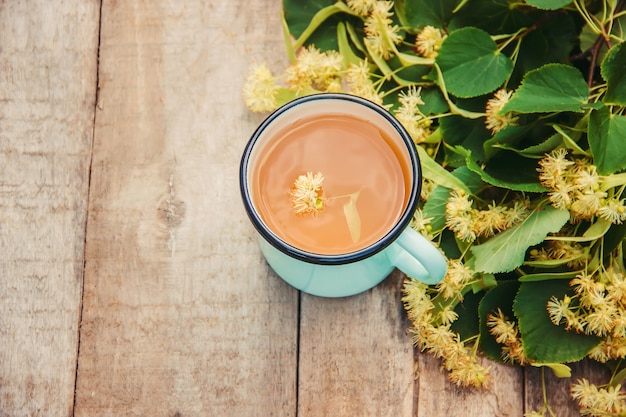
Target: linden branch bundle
517, 111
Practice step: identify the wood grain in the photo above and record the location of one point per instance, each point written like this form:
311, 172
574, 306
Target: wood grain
558, 389
504, 397
355, 356
182, 317
48, 68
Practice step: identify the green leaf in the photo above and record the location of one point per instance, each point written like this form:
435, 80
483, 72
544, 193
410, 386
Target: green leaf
548, 276
536, 151
416, 14
588, 36
467, 325
505, 251
612, 69
614, 237
510, 135
314, 22
438, 174
471, 64
618, 378
434, 101
435, 207
493, 16
469, 133
500, 297
543, 341
511, 171
548, 4
550, 43
560, 370
551, 88
606, 139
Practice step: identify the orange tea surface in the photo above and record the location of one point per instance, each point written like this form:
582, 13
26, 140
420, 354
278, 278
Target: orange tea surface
353, 156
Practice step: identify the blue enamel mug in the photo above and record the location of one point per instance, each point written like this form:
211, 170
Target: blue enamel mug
343, 274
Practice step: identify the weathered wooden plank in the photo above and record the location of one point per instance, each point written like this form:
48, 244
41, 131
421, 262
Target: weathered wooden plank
182, 317
48, 70
356, 358
439, 397
558, 389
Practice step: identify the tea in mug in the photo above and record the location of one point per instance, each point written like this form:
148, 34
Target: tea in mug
365, 174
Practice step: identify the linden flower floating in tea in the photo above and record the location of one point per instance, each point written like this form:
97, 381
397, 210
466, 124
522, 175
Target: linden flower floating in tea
307, 197
306, 193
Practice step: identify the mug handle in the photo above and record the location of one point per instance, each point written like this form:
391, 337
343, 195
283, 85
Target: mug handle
418, 258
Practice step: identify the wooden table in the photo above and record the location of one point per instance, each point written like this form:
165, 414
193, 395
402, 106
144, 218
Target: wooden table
131, 283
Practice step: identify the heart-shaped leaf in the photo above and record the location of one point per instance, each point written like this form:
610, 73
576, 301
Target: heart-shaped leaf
419, 13
543, 341
606, 139
471, 64
612, 69
550, 88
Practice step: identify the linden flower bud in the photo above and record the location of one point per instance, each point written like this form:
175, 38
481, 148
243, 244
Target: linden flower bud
306, 194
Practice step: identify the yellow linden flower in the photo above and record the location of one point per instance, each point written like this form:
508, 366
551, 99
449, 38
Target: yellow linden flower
300, 74
410, 115
306, 193
503, 330
494, 120
429, 41
260, 89
488, 222
598, 401
553, 167
381, 36
613, 210
361, 7
456, 278
359, 83
421, 224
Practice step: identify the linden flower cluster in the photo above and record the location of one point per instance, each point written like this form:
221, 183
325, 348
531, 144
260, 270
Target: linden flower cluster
575, 185
494, 120
574, 255
595, 401
315, 70
381, 35
409, 114
360, 84
312, 72
507, 334
469, 223
429, 41
597, 307
431, 324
